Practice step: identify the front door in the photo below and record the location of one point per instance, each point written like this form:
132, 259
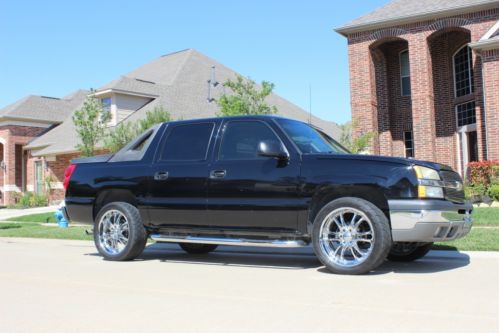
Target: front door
38, 177
178, 180
248, 191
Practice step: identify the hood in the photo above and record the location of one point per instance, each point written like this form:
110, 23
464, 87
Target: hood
387, 159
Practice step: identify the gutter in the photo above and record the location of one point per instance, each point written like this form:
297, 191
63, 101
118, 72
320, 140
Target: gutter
406, 19
485, 45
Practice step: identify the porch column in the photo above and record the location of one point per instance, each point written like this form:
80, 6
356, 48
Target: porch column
423, 113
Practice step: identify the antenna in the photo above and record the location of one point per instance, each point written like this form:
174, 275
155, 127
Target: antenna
212, 82
310, 103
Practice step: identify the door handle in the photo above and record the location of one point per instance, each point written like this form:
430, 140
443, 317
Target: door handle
218, 173
161, 175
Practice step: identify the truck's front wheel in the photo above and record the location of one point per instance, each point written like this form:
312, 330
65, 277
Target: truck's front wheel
351, 236
119, 234
409, 251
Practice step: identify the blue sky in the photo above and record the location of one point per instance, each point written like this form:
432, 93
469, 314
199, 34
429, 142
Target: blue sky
54, 47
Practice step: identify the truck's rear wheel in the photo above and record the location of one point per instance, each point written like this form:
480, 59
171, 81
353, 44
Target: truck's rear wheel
119, 234
408, 251
195, 248
351, 236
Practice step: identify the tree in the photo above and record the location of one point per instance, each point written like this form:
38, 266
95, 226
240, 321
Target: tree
118, 137
358, 145
156, 116
90, 122
246, 98
124, 132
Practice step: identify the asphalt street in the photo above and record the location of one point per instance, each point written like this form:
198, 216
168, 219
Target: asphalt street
65, 286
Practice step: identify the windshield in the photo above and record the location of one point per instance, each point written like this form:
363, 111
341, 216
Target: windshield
309, 139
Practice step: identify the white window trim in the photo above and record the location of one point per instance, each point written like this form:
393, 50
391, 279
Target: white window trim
401, 76
470, 66
457, 120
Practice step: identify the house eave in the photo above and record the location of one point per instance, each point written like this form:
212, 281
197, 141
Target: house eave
124, 92
426, 16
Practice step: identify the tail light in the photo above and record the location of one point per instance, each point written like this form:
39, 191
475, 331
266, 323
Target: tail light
67, 175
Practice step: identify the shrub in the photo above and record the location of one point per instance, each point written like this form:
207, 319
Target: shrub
482, 172
30, 199
494, 192
474, 191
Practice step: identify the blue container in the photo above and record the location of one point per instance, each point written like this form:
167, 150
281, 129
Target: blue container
61, 221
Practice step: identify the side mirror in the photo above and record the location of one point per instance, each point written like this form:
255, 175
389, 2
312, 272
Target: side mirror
271, 148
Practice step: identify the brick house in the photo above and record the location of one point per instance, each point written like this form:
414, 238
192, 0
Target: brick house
424, 75
37, 134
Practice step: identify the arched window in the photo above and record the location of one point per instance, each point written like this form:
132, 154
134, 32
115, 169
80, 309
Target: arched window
463, 72
405, 73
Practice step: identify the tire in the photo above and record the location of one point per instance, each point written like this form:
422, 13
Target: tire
406, 252
351, 236
115, 223
195, 248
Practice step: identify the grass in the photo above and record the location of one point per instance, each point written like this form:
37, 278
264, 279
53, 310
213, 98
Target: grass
479, 239
35, 230
486, 216
41, 218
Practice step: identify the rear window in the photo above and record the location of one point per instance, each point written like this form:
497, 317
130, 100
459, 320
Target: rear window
187, 142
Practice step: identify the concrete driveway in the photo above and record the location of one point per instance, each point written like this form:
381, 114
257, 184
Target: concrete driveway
64, 286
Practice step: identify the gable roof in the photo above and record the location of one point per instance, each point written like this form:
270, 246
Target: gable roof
42, 108
179, 83
407, 11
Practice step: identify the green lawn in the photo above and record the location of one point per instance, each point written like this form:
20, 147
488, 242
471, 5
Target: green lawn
43, 217
35, 230
486, 216
480, 239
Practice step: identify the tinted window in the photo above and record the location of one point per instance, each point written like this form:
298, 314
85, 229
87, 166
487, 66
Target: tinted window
241, 138
310, 140
187, 142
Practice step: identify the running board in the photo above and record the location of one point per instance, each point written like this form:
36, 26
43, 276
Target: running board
228, 241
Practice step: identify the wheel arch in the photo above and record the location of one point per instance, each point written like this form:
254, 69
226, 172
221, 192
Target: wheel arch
113, 195
325, 194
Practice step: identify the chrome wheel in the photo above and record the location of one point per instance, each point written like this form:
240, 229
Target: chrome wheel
347, 237
113, 232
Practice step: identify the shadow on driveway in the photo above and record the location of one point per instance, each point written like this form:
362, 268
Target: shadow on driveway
294, 258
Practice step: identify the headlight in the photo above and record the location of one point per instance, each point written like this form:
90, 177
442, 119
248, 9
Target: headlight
426, 173
429, 183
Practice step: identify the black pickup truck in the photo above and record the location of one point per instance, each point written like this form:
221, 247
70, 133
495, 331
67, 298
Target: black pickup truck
264, 181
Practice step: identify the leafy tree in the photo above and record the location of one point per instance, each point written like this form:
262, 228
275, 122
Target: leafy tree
156, 116
246, 98
355, 145
90, 122
118, 137
124, 132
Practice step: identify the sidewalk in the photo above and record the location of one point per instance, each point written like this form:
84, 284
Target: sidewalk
7, 213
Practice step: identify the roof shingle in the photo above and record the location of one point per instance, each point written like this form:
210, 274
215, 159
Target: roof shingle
405, 11
180, 83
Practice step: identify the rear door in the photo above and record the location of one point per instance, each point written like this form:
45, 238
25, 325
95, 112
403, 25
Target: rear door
179, 175
248, 191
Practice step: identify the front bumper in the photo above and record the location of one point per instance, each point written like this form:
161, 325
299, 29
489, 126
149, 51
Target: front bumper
429, 220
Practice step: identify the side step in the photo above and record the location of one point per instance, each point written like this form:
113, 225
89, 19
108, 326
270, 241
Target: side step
228, 241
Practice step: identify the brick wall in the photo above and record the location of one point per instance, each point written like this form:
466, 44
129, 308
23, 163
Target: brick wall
377, 104
12, 139
491, 77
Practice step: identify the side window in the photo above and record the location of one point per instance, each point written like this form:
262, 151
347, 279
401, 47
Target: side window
241, 138
187, 142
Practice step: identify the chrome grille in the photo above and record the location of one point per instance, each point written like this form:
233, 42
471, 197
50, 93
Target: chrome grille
454, 190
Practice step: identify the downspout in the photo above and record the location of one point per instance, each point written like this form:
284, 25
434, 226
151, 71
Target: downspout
484, 108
